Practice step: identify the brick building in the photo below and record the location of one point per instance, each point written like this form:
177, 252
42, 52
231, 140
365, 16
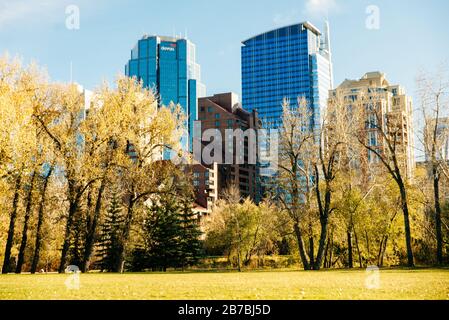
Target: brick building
224, 112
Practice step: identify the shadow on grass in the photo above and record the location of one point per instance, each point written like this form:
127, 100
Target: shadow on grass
283, 270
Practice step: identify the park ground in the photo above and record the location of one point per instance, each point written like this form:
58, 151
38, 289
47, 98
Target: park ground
417, 284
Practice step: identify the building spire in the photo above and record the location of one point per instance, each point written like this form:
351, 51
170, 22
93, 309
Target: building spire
327, 38
327, 44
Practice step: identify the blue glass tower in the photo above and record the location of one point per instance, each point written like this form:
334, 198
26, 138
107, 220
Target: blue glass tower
290, 62
167, 65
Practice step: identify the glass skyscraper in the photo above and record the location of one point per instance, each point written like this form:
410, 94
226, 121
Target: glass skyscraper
168, 66
290, 62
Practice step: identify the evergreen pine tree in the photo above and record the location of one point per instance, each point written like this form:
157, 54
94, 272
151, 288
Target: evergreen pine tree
76, 245
110, 234
163, 231
190, 234
171, 236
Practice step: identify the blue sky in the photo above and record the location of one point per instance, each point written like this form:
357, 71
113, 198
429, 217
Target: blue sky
413, 35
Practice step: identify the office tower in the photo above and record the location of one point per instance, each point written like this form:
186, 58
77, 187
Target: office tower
290, 62
392, 106
286, 63
168, 66
224, 113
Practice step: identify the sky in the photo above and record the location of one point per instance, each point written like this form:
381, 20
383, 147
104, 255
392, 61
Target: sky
409, 35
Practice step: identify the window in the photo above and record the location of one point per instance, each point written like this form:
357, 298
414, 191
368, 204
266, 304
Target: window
372, 138
353, 97
217, 116
217, 123
202, 109
196, 183
196, 174
372, 121
210, 109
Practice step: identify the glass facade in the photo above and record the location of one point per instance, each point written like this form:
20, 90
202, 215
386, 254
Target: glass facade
289, 62
167, 65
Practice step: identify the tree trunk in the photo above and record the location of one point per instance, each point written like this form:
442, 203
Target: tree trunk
91, 233
311, 250
126, 232
12, 224
408, 237
40, 223
326, 251
322, 243
439, 233
331, 250
379, 254
324, 211
29, 205
358, 249
350, 258
368, 246
302, 251
384, 248
77, 230
67, 236
239, 259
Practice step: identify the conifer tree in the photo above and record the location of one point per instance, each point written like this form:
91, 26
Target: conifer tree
190, 233
163, 231
110, 240
171, 236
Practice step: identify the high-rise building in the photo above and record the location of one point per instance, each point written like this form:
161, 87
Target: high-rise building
168, 66
442, 152
290, 62
224, 113
391, 107
287, 63
205, 186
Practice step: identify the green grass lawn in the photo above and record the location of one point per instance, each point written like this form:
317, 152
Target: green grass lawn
276, 285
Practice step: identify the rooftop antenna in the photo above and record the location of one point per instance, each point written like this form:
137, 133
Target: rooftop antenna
327, 37
328, 48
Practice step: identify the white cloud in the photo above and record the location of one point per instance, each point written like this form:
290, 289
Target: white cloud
320, 7
312, 9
